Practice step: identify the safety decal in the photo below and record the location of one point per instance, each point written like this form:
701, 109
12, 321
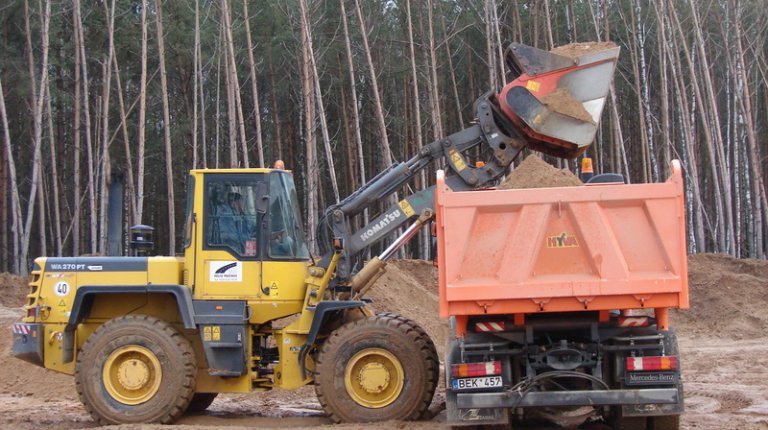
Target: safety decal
456, 160
533, 86
406, 208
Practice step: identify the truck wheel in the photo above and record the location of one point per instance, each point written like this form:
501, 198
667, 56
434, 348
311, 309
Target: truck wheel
136, 369
630, 423
377, 369
667, 422
201, 401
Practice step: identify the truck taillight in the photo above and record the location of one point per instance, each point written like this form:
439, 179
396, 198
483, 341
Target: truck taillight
651, 363
468, 370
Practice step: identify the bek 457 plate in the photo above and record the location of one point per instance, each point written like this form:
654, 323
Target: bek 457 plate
476, 383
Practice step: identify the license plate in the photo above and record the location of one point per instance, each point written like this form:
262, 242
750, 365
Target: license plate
476, 383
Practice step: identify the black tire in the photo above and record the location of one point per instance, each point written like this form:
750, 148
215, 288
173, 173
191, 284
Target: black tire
386, 341
667, 422
201, 401
630, 423
136, 369
427, 414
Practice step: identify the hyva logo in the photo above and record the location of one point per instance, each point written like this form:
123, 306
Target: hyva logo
226, 271
564, 240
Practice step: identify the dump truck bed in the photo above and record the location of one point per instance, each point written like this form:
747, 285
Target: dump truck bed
592, 247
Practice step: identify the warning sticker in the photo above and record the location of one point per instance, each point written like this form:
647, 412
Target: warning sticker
226, 271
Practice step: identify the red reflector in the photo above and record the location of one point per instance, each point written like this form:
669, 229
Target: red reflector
483, 327
651, 363
32, 312
471, 370
633, 321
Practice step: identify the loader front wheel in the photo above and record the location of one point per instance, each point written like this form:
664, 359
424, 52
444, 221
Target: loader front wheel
376, 369
136, 369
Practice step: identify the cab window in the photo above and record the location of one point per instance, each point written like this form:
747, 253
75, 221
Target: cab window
231, 216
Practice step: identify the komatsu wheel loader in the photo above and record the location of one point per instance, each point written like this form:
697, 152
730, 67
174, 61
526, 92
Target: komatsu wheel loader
148, 338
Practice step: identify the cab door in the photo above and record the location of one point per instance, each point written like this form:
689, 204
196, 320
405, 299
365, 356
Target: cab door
285, 250
229, 258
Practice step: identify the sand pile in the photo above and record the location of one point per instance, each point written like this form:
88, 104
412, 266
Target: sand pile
13, 290
534, 172
409, 287
561, 101
728, 298
575, 50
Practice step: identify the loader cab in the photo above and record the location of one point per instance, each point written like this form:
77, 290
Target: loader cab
244, 239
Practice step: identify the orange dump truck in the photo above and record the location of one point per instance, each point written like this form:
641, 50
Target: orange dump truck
542, 287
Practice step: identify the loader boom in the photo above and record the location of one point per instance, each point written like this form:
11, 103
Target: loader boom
553, 106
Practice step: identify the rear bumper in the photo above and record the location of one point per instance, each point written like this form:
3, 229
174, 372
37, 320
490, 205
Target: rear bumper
28, 342
517, 399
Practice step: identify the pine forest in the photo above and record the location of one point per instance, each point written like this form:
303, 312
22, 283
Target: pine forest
141, 91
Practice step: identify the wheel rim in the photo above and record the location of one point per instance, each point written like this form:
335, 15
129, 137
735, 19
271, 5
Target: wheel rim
132, 374
374, 378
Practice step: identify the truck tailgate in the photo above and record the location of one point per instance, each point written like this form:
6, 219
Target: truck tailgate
595, 247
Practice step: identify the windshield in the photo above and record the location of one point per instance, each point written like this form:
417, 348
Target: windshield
286, 235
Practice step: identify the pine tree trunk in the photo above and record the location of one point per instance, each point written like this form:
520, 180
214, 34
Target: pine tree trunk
308, 91
355, 113
56, 215
142, 117
131, 183
718, 232
386, 152
437, 122
88, 129
760, 214
425, 236
276, 119
166, 131
104, 156
254, 87
37, 136
76, 121
16, 219
234, 81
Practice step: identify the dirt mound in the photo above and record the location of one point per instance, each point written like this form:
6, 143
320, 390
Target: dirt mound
575, 50
534, 172
728, 298
409, 287
13, 290
562, 101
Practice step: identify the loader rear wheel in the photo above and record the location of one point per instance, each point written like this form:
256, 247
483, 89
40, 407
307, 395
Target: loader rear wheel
136, 369
377, 369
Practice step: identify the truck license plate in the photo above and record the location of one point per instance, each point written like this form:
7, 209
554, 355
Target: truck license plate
476, 383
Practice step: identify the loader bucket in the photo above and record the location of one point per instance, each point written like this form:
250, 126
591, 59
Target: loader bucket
557, 96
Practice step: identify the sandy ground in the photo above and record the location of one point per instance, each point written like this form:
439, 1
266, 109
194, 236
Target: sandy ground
723, 339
